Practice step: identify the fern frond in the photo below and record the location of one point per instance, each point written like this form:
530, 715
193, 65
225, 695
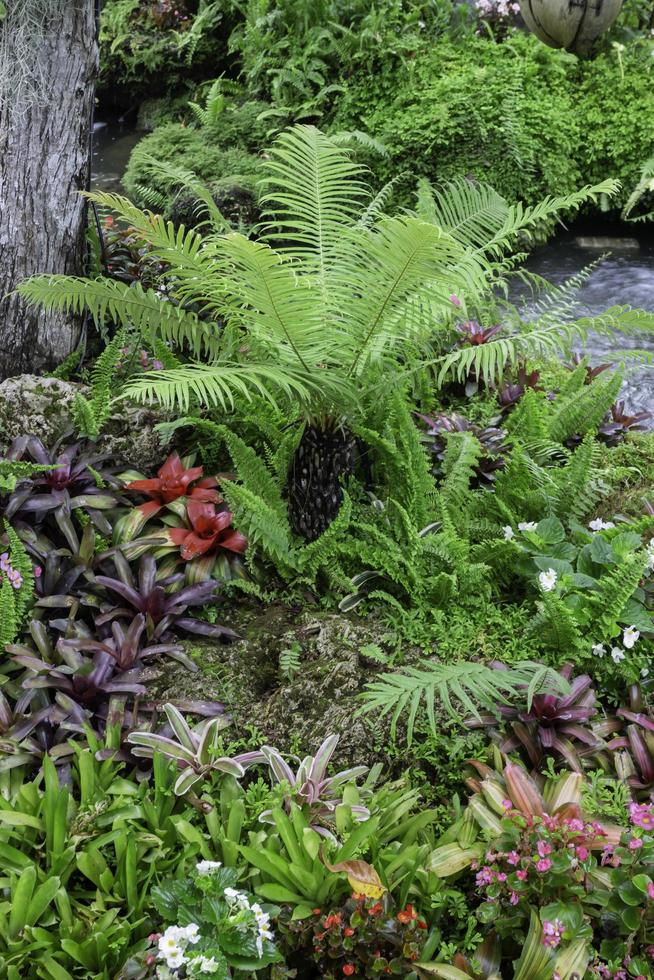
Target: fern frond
129, 306
459, 689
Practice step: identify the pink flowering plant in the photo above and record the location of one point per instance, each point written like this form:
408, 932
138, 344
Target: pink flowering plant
586, 884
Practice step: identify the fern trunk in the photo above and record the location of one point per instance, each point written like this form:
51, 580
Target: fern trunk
323, 459
48, 64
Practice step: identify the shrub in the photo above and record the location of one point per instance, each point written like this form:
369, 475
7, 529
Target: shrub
517, 115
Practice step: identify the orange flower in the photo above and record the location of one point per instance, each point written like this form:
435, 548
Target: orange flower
376, 909
406, 915
348, 969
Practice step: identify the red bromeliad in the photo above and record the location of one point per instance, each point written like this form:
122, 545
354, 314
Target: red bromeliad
174, 481
210, 530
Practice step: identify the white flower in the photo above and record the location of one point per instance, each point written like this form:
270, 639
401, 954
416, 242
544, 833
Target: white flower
508, 532
599, 525
630, 636
644, 672
170, 939
650, 560
207, 867
208, 964
174, 961
547, 580
527, 526
598, 649
617, 655
231, 893
191, 933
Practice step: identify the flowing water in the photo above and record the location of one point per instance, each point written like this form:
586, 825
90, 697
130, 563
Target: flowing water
113, 142
625, 277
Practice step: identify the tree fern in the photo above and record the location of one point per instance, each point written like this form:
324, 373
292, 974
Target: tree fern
458, 689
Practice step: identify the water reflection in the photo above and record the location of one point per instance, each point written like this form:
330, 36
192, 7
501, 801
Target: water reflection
113, 142
626, 277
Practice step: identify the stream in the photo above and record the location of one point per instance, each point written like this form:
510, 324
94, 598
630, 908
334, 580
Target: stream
625, 277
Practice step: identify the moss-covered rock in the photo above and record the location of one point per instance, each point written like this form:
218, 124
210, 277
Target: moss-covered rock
43, 407
31, 405
231, 174
293, 713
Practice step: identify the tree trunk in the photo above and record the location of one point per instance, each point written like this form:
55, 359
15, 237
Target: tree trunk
48, 64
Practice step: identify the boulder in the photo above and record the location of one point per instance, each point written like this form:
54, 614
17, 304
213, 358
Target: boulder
294, 714
32, 405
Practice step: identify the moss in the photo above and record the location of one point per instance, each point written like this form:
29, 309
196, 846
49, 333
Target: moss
231, 174
322, 698
629, 472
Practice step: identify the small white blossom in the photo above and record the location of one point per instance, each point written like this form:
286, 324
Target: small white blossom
231, 893
617, 654
644, 672
547, 580
207, 867
508, 532
176, 960
527, 526
599, 525
208, 964
191, 933
598, 649
630, 636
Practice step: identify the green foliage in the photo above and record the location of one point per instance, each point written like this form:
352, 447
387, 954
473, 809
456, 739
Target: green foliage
518, 115
14, 602
14, 470
454, 688
229, 173
148, 47
90, 415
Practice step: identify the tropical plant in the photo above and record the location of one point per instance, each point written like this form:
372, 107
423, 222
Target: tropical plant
323, 319
552, 724
449, 687
163, 610
71, 478
193, 750
311, 788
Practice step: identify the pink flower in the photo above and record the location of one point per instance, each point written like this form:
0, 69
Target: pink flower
552, 933
543, 848
455, 301
650, 890
513, 858
575, 824
38, 571
501, 877
635, 843
582, 853
514, 898
641, 815
522, 875
543, 865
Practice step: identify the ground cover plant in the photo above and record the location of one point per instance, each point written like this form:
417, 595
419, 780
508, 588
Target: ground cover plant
350, 675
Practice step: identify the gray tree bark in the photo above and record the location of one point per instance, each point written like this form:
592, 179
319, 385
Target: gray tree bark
48, 65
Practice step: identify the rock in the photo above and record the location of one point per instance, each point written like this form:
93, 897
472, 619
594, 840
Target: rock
32, 405
293, 714
130, 435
